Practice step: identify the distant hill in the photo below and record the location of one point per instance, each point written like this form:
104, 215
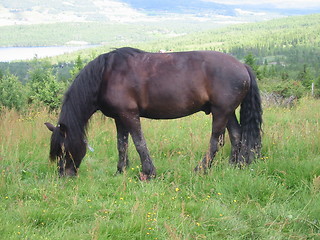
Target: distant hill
50, 11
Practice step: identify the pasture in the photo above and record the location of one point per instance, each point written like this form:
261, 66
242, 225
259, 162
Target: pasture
278, 197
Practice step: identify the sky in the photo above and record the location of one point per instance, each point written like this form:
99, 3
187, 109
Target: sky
294, 4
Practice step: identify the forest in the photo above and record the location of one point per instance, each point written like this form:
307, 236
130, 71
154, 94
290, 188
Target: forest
284, 53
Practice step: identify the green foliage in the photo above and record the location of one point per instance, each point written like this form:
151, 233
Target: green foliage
284, 88
305, 77
251, 61
44, 88
76, 68
317, 87
12, 92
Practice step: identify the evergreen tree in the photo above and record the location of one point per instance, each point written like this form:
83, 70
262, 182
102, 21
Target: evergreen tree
305, 76
12, 92
78, 65
44, 87
251, 61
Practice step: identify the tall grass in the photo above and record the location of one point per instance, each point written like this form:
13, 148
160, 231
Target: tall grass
275, 198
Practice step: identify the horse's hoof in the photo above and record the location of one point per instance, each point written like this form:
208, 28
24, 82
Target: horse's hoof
200, 169
144, 177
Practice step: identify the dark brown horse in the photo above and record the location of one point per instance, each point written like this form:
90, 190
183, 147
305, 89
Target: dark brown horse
127, 84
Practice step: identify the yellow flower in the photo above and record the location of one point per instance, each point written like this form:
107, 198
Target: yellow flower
198, 224
177, 189
219, 194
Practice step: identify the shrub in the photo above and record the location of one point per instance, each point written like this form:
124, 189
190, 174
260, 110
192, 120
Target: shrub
12, 92
44, 87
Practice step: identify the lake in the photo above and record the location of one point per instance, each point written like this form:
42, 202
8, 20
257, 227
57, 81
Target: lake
8, 54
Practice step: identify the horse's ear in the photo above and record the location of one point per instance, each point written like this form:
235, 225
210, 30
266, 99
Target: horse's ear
50, 126
63, 129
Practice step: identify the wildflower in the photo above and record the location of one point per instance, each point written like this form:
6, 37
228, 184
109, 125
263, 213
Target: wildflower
220, 214
235, 200
177, 189
89, 200
219, 194
121, 198
198, 224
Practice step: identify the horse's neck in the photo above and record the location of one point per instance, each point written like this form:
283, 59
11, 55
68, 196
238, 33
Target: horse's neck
76, 116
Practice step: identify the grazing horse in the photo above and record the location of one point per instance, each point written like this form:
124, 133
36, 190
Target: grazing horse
127, 83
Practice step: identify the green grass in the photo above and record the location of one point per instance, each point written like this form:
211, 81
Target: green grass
275, 198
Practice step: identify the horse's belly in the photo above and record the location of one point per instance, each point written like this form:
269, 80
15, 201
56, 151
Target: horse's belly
169, 111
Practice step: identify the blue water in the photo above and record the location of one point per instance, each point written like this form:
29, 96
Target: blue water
8, 54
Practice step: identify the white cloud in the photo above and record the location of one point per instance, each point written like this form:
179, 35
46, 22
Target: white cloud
293, 4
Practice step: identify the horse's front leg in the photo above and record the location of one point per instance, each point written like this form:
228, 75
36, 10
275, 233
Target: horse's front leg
216, 140
132, 123
122, 141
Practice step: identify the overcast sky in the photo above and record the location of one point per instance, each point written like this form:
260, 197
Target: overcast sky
294, 4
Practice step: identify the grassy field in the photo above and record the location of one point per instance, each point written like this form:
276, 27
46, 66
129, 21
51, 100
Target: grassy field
277, 197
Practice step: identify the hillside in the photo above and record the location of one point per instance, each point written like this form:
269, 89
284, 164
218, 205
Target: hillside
15, 12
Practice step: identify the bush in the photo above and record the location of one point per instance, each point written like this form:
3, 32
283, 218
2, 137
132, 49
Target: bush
12, 92
282, 88
44, 87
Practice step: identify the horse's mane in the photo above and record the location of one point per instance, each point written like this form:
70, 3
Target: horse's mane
81, 101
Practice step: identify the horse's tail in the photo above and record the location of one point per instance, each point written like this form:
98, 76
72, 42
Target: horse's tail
251, 121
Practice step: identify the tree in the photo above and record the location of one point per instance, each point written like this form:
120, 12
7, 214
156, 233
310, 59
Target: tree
44, 87
251, 61
317, 87
12, 92
305, 76
78, 65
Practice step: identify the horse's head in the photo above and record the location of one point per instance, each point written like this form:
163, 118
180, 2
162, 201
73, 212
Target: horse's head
68, 152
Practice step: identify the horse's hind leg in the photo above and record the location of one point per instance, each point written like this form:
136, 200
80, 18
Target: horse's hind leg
122, 140
217, 136
234, 130
133, 125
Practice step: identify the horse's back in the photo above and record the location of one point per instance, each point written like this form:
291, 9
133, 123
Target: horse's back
172, 85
